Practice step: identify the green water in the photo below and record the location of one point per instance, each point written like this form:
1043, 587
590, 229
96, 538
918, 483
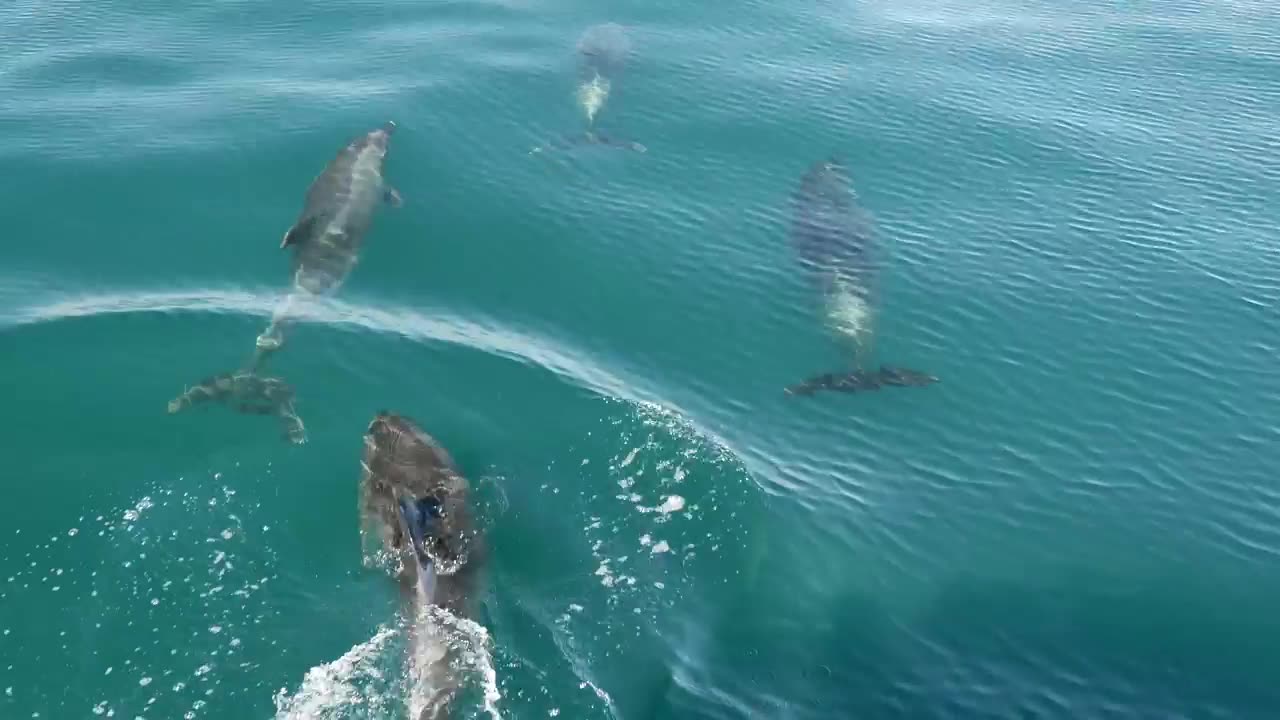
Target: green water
1078, 209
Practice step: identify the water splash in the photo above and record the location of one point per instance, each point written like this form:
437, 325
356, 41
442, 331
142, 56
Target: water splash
447, 652
171, 561
354, 685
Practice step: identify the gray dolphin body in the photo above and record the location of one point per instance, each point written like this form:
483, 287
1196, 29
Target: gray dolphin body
834, 242
326, 240
247, 393
602, 53
415, 503
330, 230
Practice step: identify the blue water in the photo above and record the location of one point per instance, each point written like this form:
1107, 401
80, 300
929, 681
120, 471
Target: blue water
1076, 207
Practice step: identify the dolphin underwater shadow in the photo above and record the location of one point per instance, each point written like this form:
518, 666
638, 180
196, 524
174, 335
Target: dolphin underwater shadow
602, 54
415, 509
834, 242
326, 239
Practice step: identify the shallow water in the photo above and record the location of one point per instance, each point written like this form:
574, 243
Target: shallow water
1077, 210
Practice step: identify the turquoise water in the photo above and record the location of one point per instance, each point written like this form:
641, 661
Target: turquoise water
1078, 210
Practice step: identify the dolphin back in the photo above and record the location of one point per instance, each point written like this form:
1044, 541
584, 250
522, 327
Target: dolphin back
829, 233
603, 50
416, 502
338, 211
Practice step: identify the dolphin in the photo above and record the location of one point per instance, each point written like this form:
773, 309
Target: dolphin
602, 53
326, 239
834, 242
415, 504
249, 394
329, 231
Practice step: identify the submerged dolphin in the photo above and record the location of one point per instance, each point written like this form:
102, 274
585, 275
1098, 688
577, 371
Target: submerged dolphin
326, 239
834, 242
602, 53
415, 504
247, 393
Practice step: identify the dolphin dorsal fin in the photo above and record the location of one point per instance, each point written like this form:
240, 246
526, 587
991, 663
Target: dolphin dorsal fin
299, 233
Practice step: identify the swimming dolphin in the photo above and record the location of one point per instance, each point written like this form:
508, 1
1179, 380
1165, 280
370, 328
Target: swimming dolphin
414, 503
247, 393
602, 53
326, 239
327, 236
834, 242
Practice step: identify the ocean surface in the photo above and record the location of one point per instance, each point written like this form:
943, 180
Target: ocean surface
1077, 206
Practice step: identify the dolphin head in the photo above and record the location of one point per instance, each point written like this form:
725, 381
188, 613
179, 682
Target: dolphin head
381, 137
833, 173
604, 49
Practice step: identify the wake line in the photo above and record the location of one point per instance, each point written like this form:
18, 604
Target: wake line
406, 322
567, 362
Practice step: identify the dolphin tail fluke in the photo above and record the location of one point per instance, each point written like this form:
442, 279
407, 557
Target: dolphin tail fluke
272, 338
592, 137
863, 380
291, 424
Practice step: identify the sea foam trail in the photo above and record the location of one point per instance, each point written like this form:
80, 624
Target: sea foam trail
373, 680
406, 322
572, 363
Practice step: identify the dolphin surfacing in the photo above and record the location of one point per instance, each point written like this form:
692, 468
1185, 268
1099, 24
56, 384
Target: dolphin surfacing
325, 239
602, 53
415, 506
834, 242
336, 216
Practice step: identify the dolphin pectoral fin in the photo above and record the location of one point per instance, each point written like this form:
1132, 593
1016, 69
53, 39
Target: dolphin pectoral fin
299, 233
391, 196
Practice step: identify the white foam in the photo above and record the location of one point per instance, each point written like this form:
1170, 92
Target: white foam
332, 686
447, 649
